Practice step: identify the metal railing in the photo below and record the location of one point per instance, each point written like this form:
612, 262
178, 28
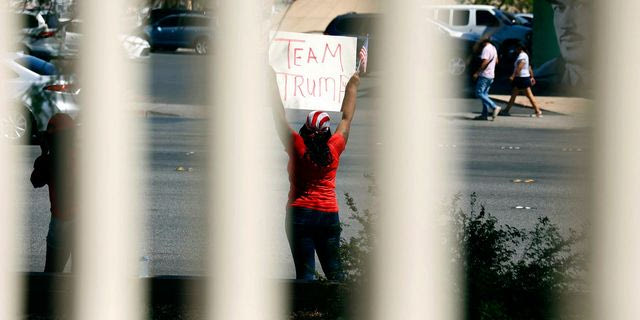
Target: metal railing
411, 281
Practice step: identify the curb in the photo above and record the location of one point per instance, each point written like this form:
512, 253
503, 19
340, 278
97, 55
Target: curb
561, 105
171, 110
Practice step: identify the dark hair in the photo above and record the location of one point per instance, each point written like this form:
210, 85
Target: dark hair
479, 45
317, 148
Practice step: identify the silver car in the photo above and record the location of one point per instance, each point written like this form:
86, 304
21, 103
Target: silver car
38, 93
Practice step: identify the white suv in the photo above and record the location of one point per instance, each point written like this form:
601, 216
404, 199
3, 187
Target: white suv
483, 20
468, 18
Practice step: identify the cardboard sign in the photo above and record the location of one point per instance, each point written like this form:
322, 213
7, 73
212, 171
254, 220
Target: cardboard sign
312, 70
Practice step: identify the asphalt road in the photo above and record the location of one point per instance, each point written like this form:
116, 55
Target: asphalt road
547, 156
177, 78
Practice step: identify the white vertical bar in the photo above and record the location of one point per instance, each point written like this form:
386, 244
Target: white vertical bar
240, 207
10, 222
617, 161
109, 216
410, 265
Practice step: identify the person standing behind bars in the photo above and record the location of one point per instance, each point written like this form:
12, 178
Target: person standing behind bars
55, 168
312, 222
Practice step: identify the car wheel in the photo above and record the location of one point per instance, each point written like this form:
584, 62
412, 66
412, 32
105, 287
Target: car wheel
16, 125
201, 46
457, 66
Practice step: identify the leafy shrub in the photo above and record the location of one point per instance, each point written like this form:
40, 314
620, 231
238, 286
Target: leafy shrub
507, 273
355, 251
512, 273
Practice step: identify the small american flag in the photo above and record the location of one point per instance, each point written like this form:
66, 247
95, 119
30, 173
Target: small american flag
362, 56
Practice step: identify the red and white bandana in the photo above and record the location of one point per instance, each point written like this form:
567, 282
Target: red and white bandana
318, 121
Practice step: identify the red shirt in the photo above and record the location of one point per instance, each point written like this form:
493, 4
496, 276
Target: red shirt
313, 187
60, 181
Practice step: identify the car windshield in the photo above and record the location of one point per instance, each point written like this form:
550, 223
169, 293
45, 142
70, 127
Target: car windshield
501, 15
38, 66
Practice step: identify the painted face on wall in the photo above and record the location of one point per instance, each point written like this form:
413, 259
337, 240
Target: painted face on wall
571, 20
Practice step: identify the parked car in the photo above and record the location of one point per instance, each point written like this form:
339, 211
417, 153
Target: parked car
65, 43
526, 16
180, 31
135, 47
516, 19
51, 18
484, 21
463, 45
31, 23
38, 92
362, 25
58, 44
155, 15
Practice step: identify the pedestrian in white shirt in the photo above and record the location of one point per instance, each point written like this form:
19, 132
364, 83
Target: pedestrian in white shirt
522, 80
484, 78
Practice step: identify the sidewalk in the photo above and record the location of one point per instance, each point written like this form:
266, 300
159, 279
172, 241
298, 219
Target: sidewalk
315, 15
563, 105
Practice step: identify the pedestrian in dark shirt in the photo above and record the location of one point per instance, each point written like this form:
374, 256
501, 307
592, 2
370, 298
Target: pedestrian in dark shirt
55, 168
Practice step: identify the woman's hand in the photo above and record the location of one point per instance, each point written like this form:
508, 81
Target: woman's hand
533, 81
511, 78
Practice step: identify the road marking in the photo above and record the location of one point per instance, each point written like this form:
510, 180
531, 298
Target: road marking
572, 149
509, 148
183, 169
527, 180
523, 208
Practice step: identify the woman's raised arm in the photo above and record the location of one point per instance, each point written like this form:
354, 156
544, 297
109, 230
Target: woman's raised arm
349, 105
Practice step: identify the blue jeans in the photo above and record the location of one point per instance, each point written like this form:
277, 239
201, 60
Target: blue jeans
59, 244
482, 91
308, 231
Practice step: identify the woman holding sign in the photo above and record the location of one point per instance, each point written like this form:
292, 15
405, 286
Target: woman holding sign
312, 221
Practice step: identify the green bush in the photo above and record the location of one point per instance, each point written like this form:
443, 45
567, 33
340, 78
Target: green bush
512, 273
507, 273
